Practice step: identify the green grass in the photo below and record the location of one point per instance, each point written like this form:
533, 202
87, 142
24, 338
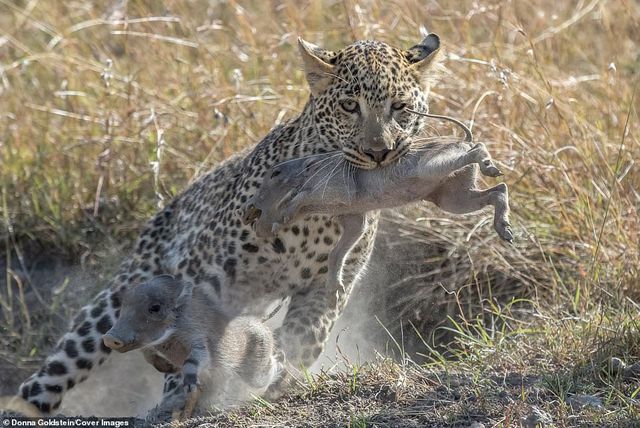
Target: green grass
105, 114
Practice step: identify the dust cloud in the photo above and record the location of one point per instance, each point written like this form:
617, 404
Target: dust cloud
126, 385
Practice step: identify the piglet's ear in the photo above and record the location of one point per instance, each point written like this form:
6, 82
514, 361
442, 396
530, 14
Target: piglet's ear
174, 289
164, 280
186, 291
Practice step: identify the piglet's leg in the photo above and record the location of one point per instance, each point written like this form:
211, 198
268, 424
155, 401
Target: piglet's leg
453, 157
353, 226
198, 359
173, 400
462, 201
258, 367
190, 404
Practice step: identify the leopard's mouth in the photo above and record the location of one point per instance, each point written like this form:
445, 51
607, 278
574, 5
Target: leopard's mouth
364, 161
402, 148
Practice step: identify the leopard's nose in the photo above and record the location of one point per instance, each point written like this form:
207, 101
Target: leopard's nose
377, 155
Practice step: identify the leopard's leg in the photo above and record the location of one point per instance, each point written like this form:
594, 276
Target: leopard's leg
81, 349
313, 312
76, 354
304, 332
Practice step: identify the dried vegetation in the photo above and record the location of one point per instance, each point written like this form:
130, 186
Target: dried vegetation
108, 109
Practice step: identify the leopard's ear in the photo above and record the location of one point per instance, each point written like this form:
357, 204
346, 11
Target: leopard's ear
318, 66
423, 55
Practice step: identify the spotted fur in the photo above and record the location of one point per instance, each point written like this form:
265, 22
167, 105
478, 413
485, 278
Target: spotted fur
358, 106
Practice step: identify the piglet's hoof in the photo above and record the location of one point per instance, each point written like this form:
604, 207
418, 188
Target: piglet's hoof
488, 168
251, 214
503, 228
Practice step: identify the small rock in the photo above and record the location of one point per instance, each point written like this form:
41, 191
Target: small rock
476, 425
517, 379
632, 372
537, 419
617, 365
579, 401
456, 380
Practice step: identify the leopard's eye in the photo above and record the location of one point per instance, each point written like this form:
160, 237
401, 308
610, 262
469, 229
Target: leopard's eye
349, 105
398, 105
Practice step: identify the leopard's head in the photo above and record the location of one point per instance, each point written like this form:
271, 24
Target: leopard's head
360, 97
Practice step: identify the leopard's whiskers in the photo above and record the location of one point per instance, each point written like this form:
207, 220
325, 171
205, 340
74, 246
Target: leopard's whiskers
318, 164
327, 164
345, 178
351, 174
306, 157
330, 176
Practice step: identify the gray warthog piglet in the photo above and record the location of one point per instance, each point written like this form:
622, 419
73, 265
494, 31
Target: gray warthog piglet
442, 172
182, 331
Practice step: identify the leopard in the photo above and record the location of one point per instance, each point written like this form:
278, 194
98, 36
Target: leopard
360, 103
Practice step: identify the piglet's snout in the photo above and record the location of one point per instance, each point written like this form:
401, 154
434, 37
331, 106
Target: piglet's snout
118, 340
112, 342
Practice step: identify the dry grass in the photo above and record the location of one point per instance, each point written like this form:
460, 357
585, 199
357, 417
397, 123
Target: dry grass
108, 109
